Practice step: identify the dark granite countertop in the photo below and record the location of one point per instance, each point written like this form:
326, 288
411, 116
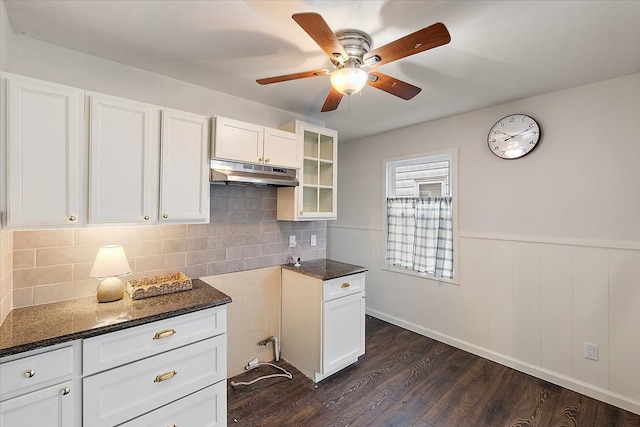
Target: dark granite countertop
325, 269
39, 326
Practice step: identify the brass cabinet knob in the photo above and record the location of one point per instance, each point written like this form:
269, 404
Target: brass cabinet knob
30, 373
72, 218
267, 160
165, 216
300, 213
261, 159
65, 391
146, 217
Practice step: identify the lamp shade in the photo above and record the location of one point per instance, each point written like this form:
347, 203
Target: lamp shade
349, 80
110, 261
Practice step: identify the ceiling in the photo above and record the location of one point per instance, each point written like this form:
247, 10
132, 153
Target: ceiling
500, 51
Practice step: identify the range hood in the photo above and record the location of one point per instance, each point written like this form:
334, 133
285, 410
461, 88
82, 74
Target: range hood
225, 172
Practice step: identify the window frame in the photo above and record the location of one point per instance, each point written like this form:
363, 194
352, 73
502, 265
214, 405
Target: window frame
389, 182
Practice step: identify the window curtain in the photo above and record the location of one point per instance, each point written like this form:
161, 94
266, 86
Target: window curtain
420, 235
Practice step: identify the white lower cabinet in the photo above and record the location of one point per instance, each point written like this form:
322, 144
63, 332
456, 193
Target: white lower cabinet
49, 407
157, 381
323, 322
38, 390
169, 372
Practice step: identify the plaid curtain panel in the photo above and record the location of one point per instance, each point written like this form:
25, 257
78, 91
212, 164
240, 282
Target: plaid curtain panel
420, 235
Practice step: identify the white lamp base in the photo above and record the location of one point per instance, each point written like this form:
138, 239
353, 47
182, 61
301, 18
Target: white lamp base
110, 289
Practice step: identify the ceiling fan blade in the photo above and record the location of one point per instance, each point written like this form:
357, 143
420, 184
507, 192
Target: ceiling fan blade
392, 85
332, 101
321, 33
293, 76
424, 39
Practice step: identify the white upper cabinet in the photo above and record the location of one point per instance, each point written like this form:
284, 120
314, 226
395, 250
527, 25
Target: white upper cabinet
44, 152
123, 161
184, 169
247, 142
316, 196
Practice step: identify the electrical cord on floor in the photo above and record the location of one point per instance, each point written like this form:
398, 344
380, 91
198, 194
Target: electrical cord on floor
285, 374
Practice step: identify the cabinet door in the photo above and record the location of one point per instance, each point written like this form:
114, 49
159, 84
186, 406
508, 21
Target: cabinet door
282, 148
342, 332
184, 169
45, 123
49, 407
123, 164
316, 196
236, 140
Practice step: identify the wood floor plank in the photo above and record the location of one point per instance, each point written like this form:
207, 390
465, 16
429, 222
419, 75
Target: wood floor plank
463, 404
422, 390
406, 380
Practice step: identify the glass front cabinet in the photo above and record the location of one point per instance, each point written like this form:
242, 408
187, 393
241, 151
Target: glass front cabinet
316, 196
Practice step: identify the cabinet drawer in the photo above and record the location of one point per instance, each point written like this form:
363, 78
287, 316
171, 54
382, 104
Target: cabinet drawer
205, 408
342, 286
128, 345
35, 370
123, 393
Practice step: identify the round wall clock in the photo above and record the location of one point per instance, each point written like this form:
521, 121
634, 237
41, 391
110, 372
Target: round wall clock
514, 136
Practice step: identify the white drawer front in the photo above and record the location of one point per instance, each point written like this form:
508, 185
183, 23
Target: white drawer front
128, 345
205, 408
342, 286
123, 393
35, 370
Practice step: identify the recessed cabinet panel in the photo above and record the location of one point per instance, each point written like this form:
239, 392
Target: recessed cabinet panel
237, 140
49, 407
342, 331
184, 170
205, 408
282, 148
45, 124
123, 161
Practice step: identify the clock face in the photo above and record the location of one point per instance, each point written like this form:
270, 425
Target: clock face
514, 136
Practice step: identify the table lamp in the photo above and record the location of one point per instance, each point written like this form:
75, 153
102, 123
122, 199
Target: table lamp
110, 262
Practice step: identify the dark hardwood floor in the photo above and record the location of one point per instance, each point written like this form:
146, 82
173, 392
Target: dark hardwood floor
407, 380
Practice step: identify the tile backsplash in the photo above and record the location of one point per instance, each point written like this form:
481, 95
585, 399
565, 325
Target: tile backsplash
5, 273
53, 265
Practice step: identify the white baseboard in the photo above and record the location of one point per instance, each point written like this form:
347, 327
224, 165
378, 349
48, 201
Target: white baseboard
538, 372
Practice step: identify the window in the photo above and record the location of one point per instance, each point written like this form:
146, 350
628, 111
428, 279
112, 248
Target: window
420, 214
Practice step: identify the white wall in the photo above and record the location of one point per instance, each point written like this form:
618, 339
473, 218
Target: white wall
6, 39
549, 244
53, 63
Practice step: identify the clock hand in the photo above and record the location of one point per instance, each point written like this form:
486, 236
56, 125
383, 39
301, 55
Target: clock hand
499, 131
513, 136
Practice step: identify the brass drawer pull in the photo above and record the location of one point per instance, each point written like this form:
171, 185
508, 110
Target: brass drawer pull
65, 391
164, 334
165, 376
30, 373
345, 285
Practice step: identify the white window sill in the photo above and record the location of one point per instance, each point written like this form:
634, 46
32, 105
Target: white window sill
453, 281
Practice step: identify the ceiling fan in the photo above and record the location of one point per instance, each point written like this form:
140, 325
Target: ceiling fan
349, 51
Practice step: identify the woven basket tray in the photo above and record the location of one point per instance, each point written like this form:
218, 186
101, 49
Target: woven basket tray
158, 285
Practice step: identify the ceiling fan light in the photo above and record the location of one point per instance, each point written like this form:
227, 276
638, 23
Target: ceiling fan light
349, 80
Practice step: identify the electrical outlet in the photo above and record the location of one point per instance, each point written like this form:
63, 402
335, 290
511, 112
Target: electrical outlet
292, 241
590, 351
313, 240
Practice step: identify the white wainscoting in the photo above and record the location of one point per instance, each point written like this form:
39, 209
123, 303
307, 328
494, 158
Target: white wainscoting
528, 303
